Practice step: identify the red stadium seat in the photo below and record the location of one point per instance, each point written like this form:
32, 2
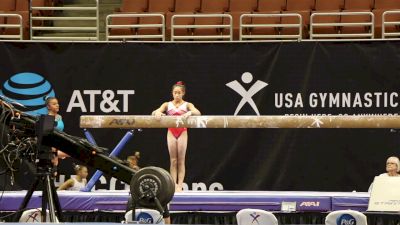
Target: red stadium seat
380, 7
183, 7
356, 5
134, 6
242, 5
22, 5
265, 30
161, 6
128, 6
7, 5
387, 4
123, 21
208, 21
214, 6
236, 9
148, 30
186, 6
211, 6
355, 19
305, 15
302, 7
327, 6
236, 23
22, 8
272, 6
25, 24
39, 3
268, 7
326, 19
155, 6
378, 13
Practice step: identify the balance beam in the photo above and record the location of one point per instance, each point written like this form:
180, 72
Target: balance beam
136, 121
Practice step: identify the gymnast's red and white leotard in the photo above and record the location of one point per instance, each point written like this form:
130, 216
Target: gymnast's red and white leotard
177, 111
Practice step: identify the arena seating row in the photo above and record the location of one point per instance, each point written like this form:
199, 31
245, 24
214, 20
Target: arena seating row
371, 10
236, 8
20, 7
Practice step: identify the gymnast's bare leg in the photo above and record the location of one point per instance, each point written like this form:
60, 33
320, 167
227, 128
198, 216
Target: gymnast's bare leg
182, 146
177, 153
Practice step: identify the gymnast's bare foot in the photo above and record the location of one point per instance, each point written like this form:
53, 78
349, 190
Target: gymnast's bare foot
178, 188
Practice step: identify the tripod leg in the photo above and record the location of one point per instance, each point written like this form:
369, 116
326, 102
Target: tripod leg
25, 202
159, 206
50, 199
44, 200
133, 211
56, 202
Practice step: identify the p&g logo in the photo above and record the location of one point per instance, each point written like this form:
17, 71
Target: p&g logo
145, 218
346, 219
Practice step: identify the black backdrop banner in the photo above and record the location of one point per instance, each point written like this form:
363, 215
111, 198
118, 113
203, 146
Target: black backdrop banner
307, 78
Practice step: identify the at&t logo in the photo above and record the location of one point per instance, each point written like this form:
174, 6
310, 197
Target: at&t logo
107, 100
30, 90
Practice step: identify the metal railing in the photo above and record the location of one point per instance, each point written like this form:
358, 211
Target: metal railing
386, 23
221, 26
160, 26
298, 25
370, 24
91, 29
18, 26
224, 35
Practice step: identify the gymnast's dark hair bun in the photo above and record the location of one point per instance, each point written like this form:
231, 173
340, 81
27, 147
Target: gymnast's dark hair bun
76, 167
47, 99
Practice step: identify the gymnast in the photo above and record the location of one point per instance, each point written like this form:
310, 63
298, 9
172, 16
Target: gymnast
177, 138
78, 182
52, 109
392, 169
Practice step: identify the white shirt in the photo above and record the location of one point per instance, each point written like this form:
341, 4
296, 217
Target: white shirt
77, 185
387, 175
381, 175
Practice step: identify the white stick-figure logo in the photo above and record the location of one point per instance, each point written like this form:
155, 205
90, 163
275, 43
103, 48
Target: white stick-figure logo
247, 95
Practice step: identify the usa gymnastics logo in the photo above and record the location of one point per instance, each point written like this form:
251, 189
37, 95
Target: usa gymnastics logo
145, 218
346, 219
30, 90
247, 95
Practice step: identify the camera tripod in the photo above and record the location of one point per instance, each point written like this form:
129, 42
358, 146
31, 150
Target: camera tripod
44, 176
